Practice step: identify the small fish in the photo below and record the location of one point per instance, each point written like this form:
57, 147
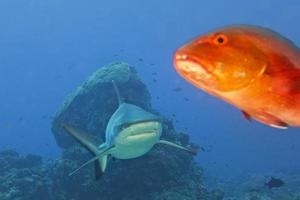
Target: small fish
154, 80
202, 149
177, 89
274, 183
141, 59
250, 67
153, 73
44, 116
70, 67
186, 99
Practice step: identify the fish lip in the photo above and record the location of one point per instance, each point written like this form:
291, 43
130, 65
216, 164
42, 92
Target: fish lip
202, 69
181, 56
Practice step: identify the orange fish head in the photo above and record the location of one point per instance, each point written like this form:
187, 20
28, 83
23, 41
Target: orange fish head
224, 60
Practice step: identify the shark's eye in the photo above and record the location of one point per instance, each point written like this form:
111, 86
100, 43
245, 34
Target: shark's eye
219, 39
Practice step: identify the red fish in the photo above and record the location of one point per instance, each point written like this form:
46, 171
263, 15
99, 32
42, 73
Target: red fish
253, 68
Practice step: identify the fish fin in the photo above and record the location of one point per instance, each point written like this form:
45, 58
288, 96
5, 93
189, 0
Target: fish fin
90, 142
97, 158
270, 120
120, 101
103, 162
192, 151
246, 115
287, 82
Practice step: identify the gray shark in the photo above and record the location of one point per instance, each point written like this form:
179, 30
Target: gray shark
131, 132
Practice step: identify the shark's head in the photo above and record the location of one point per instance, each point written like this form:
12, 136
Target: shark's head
133, 131
136, 139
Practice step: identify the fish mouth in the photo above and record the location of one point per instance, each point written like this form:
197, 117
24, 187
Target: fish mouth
146, 127
191, 68
139, 133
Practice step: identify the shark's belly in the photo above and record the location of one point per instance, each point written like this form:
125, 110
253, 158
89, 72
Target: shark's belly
136, 140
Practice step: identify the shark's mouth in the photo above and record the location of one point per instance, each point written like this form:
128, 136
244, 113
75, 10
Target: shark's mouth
142, 136
142, 127
139, 133
147, 127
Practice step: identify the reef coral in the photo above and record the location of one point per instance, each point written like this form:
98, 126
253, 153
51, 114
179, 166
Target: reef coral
22, 178
164, 173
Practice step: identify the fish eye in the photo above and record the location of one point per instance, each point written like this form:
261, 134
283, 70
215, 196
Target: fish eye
220, 39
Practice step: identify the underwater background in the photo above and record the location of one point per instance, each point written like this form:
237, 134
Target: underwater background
48, 48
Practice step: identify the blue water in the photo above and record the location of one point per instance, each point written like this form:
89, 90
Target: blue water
47, 48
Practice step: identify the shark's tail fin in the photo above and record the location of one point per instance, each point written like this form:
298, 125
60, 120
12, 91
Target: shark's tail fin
92, 144
117, 92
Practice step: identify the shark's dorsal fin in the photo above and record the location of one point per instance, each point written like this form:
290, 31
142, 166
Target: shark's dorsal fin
120, 101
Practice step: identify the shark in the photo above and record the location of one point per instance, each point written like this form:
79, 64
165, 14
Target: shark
130, 133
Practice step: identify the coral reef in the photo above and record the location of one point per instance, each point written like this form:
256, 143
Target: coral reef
164, 173
22, 178
162, 170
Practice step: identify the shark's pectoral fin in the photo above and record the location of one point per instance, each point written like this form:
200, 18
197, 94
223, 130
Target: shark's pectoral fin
192, 151
90, 142
101, 160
